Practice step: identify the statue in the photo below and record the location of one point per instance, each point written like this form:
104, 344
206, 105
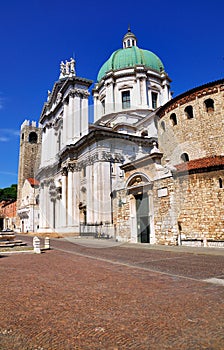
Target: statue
48, 95
72, 66
67, 66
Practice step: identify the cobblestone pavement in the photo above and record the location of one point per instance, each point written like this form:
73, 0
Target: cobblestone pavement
80, 297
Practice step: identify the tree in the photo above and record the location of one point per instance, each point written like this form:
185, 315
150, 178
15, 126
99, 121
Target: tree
8, 193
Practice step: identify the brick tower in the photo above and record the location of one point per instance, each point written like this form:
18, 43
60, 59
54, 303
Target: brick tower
29, 154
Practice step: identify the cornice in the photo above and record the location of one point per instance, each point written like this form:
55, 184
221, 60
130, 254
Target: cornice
200, 165
97, 135
58, 91
191, 95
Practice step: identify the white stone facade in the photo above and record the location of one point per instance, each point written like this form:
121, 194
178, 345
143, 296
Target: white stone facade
28, 210
121, 175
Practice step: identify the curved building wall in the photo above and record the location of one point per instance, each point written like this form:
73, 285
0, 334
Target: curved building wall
193, 124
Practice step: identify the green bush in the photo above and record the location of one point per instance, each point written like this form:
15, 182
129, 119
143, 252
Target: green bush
8, 193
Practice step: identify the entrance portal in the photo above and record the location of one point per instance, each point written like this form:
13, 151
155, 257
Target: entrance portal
142, 216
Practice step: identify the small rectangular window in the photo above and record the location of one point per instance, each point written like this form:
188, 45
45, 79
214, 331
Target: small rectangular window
126, 102
154, 100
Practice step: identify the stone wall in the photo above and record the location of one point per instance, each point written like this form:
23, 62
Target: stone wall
200, 200
190, 205
199, 136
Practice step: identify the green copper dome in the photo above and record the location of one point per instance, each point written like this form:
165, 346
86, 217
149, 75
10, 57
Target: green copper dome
130, 57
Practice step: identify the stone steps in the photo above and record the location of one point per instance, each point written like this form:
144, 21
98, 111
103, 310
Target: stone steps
11, 244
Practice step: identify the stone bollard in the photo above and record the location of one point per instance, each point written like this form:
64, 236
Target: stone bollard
36, 245
47, 243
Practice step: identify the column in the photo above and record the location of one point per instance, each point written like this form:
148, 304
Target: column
89, 199
110, 97
70, 120
139, 92
43, 209
41, 206
143, 92
64, 199
70, 196
43, 150
85, 116
77, 115
76, 198
96, 192
47, 207
65, 118
105, 190
97, 114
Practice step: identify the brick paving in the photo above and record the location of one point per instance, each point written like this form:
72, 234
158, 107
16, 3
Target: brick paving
113, 298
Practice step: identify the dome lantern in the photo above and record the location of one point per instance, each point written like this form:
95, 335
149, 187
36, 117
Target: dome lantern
129, 39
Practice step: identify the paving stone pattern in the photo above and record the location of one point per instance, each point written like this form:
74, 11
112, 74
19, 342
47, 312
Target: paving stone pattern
62, 300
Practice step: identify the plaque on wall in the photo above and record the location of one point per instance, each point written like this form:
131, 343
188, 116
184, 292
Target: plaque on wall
162, 192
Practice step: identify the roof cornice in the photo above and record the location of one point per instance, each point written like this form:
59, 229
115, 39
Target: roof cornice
188, 96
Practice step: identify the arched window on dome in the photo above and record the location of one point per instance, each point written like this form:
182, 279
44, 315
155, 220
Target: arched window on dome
220, 183
189, 112
33, 137
173, 119
184, 157
209, 105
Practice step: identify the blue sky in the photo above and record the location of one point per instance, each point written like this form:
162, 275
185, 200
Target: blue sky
36, 35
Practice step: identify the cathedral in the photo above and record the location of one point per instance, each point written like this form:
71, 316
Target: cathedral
149, 169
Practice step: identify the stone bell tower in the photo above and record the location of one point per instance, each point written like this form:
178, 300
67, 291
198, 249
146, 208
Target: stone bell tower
29, 154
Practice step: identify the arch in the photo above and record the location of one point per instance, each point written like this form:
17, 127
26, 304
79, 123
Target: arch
33, 137
173, 119
220, 183
138, 185
209, 105
136, 179
184, 157
189, 112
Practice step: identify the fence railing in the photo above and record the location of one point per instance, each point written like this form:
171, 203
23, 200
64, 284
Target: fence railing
96, 230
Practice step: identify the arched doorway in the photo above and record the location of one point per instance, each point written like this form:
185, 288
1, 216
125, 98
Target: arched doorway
142, 217
138, 187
